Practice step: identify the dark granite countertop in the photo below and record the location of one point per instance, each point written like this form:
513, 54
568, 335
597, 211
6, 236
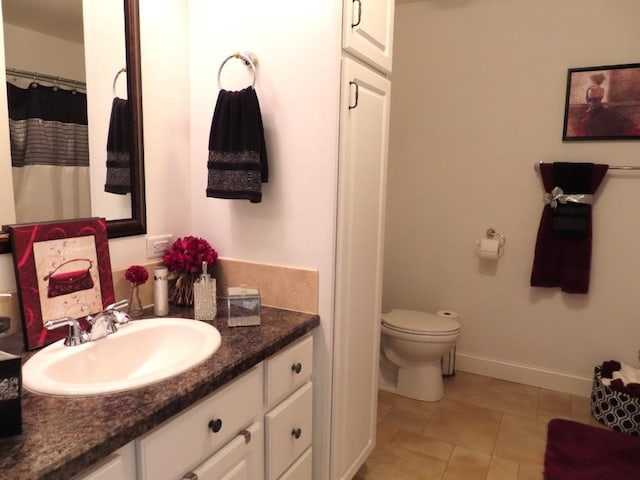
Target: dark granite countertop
64, 435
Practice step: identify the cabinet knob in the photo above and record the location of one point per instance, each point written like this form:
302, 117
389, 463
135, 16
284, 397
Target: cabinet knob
215, 425
296, 432
296, 367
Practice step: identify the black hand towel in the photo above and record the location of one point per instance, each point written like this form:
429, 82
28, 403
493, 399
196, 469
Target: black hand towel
570, 219
237, 162
119, 149
564, 260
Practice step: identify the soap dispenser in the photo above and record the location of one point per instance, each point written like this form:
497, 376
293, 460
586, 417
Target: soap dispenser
204, 296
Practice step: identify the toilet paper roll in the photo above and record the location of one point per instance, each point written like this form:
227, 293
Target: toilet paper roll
489, 248
448, 314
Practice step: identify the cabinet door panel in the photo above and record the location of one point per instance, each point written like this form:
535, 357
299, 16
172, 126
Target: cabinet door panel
359, 255
287, 370
368, 31
302, 469
187, 439
292, 415
120, 465
238, 460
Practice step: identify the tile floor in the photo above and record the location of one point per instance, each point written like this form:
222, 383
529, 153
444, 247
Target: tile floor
483, 429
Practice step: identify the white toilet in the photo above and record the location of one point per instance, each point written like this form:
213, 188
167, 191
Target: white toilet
413, 344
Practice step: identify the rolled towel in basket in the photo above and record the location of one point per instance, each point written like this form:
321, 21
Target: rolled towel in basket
609, 367
622, 378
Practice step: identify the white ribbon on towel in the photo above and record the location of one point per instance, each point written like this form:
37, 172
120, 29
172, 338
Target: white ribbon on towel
557, 195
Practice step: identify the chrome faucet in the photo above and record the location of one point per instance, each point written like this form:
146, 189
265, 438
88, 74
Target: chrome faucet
103, 324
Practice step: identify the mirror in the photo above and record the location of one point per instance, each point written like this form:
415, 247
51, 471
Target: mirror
136, 223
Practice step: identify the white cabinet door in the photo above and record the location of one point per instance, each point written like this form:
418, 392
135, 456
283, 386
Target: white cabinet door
240, 459
367, 31
120, 465
187, 439
289, 430
364, 122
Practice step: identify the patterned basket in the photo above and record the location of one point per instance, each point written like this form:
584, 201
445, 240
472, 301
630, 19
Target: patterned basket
616, 410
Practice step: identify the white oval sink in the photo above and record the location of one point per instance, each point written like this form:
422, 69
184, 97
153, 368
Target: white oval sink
140, 353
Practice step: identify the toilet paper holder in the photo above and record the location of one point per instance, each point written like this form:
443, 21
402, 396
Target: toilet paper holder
494, 235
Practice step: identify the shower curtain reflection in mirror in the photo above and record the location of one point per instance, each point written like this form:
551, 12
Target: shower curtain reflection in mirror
49, 152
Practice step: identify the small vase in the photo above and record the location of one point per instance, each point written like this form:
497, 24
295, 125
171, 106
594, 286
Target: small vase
135, 305
181, 289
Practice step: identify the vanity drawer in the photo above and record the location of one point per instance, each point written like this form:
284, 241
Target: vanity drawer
288, 369
302, 469
186, 440
289, 430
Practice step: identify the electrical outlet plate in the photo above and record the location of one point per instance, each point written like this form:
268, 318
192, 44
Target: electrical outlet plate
157, 244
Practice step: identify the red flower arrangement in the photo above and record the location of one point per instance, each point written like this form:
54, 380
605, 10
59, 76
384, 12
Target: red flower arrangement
136, 274
187, 254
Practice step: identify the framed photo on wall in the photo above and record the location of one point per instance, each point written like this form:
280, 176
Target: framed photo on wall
603, 103
63, 269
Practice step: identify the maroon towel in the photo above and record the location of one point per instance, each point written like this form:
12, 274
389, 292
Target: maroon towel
563, 260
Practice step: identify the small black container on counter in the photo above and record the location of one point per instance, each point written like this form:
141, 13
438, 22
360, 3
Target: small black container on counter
10, 395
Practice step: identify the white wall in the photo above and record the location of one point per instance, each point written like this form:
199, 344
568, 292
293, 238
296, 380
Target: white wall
479, 92
298, 47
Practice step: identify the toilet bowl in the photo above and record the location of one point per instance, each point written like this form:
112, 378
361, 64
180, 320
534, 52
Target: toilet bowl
412, 345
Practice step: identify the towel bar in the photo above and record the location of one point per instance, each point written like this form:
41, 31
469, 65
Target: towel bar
115, 79
249, 59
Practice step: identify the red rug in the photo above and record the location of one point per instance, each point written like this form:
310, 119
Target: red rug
581, 452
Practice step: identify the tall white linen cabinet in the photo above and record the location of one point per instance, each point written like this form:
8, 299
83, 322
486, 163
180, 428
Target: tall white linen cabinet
323, 84
367, 35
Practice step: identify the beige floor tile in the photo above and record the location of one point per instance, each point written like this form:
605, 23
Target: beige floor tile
553, 405
521, 440
423, 445
581, 411
530, 472
498, 385
501, 469
426, 408
408, 420
464, 425
383, 409
463, 383
467, 464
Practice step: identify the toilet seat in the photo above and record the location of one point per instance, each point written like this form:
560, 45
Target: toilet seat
419, 323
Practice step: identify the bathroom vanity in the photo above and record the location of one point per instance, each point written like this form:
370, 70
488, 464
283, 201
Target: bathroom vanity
246, 409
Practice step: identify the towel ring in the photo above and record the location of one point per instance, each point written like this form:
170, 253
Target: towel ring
249, 59
115, 79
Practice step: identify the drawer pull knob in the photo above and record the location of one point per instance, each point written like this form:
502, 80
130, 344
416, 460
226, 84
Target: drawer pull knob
296, 432
215, 425
296, 367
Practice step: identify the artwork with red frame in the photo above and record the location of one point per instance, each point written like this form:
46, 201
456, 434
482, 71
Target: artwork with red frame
63, 269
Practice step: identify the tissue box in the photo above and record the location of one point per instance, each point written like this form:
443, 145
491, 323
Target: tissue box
10, 395
244, 306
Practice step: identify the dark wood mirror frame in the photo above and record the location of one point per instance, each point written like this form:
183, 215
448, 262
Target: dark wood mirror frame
137, 224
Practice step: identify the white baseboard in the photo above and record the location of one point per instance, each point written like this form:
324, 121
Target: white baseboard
526, 374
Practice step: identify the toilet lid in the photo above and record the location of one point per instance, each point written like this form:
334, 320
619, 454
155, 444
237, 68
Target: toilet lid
419, 322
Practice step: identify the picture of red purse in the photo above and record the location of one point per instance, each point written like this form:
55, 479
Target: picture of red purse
65, 283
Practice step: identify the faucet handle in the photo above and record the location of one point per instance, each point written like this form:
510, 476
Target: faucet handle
117, 305
76, 335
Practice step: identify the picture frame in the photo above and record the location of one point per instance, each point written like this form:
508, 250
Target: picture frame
63, 269
602, 103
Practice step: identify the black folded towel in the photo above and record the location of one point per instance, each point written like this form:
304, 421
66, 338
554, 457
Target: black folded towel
570, 219
119, 149
237, 162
